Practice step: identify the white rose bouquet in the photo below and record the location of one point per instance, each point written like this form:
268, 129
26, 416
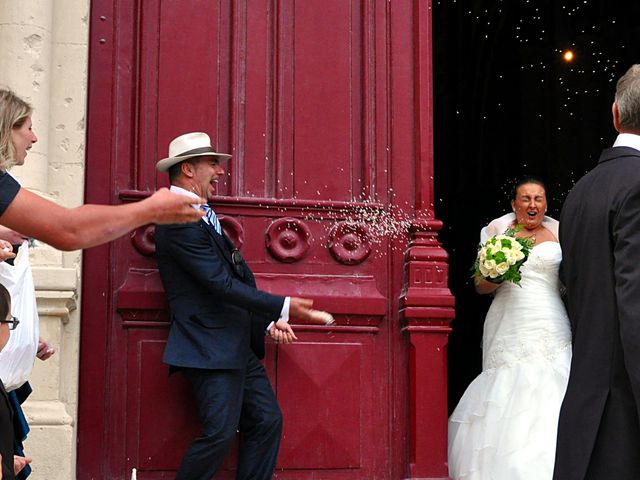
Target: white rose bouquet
499, 258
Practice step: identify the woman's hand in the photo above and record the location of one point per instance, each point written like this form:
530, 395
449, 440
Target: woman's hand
45, 350
11, 236
6, 250
19, 463
171, 207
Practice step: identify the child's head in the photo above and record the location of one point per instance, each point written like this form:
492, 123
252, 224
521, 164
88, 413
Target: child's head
5, 314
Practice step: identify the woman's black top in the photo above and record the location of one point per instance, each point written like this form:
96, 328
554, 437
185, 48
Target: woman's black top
9, 188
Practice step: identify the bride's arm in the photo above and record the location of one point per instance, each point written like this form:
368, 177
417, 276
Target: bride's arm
483, 287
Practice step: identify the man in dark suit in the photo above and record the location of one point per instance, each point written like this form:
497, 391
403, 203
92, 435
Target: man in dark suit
218, 323
599, 428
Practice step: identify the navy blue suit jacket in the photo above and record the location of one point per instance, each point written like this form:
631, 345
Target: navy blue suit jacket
218, 316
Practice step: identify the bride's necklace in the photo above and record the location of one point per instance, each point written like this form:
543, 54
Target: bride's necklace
533, 233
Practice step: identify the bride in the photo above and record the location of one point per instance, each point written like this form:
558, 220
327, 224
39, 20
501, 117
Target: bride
504, 427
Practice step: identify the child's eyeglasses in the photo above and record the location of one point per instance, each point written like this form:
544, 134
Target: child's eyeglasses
13, 323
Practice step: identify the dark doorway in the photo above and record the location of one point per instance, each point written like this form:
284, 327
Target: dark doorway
508, 103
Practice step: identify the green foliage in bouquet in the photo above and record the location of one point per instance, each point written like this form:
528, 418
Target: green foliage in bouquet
499, 259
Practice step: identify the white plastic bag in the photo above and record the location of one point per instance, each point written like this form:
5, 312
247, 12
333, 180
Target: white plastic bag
18, 356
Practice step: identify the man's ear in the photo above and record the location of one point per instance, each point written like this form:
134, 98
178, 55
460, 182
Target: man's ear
616, 116
186, 169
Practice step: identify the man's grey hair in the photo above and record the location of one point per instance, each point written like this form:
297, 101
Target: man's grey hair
628, 99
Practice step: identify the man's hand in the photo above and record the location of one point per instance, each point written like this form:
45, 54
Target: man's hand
45, 350
19, 463
300, 308
281, 332
170, 207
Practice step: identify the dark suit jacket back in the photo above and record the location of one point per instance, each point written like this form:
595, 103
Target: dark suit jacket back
217, 314
600, 239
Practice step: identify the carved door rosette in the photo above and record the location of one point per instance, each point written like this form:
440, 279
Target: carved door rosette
350, 242
143, 240
288, 239
233, 229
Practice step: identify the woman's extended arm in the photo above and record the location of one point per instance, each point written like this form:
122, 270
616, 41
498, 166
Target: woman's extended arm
91, 225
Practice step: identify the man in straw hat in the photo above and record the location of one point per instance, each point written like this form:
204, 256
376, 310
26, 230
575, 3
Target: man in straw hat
219, 319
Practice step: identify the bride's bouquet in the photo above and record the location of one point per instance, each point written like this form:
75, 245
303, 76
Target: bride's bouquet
499, 259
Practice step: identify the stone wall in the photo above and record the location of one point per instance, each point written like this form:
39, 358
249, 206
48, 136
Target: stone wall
44, 60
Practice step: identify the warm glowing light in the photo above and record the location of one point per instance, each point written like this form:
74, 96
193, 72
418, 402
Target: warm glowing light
568, 56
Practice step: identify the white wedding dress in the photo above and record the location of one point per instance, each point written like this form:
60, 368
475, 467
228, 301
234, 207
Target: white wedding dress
504, 427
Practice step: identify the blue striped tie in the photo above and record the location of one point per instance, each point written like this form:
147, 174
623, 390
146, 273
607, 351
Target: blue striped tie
212, 218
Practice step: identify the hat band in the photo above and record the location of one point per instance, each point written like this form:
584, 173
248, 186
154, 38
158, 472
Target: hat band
197, 151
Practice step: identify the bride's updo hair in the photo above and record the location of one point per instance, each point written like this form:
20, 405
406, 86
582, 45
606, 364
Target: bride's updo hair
524, 181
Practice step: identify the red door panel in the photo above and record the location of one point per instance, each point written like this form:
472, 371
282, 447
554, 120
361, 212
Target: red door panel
162, 411
327, 99
326, 381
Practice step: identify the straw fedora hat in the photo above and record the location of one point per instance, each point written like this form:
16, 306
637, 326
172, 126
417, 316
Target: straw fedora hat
189, 145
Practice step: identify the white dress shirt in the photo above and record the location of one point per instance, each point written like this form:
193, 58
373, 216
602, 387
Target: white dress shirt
628, 140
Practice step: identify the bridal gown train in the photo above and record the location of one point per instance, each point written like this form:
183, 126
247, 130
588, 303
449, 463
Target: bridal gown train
504, 427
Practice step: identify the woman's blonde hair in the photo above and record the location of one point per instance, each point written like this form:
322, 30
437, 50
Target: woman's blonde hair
13, 113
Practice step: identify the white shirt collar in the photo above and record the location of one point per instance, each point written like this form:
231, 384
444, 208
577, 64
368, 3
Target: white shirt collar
182, 191
628, 140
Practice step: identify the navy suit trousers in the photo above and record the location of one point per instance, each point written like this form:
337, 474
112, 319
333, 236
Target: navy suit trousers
231, 400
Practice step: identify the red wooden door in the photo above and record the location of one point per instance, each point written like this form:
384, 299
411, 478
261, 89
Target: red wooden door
300, 93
